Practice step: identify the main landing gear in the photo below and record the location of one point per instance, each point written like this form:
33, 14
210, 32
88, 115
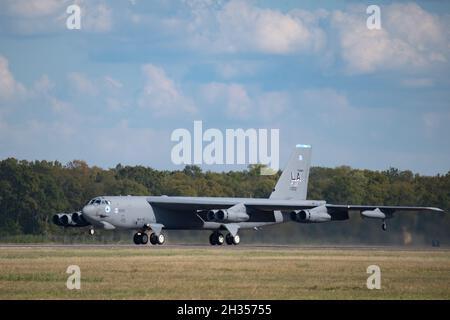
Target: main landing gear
384, 226
142, 238
154, 239
216, 238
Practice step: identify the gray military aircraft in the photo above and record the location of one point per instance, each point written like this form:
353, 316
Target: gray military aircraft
287, 202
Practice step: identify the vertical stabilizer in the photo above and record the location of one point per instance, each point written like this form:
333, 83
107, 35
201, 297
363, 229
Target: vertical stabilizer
293, 182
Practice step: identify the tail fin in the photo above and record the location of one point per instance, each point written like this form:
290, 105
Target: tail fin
293, 183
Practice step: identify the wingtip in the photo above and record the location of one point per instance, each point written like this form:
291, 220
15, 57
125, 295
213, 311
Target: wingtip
437, 209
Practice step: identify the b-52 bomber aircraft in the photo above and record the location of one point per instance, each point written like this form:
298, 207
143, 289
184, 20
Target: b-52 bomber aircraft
153, 214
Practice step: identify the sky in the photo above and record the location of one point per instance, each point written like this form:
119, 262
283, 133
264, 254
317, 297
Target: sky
114, 91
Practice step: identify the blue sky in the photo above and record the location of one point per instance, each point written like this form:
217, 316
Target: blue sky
115, 90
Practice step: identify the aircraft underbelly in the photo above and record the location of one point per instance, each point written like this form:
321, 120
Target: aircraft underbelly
177, 219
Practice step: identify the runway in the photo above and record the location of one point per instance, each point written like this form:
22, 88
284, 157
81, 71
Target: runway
226, 247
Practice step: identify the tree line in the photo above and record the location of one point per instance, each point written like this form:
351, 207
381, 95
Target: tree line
32, 191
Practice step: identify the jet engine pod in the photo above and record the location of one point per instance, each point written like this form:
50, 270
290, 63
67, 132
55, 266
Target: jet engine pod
237, 213
66, 220
57, 219
314, 215
220, 215
78, 219
211, 215
231, 215
374, 214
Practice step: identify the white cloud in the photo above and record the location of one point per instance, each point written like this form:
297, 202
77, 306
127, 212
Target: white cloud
42, 94
25, 99
43, 85
115, 105
410, 38
29, 17
33, 8
82, 84
238, 102
112, 83
271, 105
233, 69
60, 106
99, 92
96, 17
161, 95
34, 17
232, 98
239, 26
9, 87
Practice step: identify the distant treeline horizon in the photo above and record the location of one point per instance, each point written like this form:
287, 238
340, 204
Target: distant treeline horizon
32, 191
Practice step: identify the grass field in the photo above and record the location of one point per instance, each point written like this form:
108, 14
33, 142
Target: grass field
222, 273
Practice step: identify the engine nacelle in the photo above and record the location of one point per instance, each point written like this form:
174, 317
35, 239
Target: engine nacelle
66, 220
374, 214
57, 219
70, 220
78, 219
231, 216
314, 215
236, 213
211, 215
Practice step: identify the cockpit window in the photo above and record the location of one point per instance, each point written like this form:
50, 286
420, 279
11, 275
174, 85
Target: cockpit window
98, 201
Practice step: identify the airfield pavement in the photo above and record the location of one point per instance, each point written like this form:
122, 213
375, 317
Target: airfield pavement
226, 272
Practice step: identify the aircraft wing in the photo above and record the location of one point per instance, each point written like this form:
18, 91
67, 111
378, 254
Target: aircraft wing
269, 205
382, 208
206, 203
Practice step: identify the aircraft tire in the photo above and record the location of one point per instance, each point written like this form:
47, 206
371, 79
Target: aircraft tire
144, 238
212, 239
229, 239
220, 239
236, 239
137, 238
160, 239
153, 239
384, 226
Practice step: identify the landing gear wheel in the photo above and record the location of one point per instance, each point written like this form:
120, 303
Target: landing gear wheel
220, 239
137, 238
212, 239
384, 226
153, 239
144, 238
91, 232
229, 239
216, 238
160, 239
236, 239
